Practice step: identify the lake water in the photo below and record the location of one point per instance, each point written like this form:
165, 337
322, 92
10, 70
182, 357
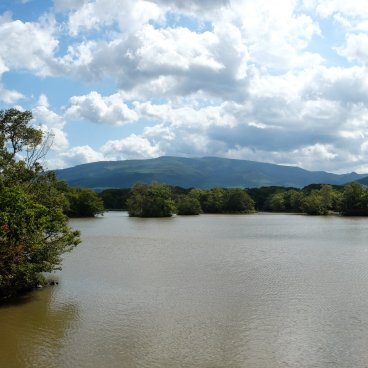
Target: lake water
214, 291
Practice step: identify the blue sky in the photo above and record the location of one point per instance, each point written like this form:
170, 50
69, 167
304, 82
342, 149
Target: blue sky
283, 82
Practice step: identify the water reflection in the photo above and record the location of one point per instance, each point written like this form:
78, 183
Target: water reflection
34, 329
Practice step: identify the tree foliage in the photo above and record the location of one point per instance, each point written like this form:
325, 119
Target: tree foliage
154, 200
313, 204
115, 199
354, 201
188, 205
83, 202
238, 201
33, 228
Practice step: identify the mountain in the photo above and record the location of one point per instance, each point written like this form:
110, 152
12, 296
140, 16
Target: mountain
206, 172
363, 181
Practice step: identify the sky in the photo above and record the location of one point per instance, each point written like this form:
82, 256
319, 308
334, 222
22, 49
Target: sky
284, 81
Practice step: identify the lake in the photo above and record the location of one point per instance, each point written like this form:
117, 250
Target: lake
213, 291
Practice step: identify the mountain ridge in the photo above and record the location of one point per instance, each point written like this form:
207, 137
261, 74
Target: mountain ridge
201, 172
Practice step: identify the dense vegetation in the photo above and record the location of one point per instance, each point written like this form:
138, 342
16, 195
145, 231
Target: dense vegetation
188, 205
83, 202
33, 227
315, 199
115, 199
348, 200
153, 200
158, 200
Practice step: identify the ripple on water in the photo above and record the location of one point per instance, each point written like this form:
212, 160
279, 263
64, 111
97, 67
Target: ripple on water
210, 291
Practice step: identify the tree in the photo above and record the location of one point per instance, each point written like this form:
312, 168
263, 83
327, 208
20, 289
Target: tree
154, 200
83, 202
32, 240
276, 202
189, 205
313, 204
114, 199
238, 201
354, 200
213, 200
292, 200
33, 229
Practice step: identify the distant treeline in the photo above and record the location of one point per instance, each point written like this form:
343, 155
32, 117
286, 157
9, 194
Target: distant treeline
162, 200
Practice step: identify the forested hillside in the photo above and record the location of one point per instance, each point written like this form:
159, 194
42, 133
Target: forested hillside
206, 172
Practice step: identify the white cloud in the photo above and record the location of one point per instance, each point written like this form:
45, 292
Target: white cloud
189, 117
300, 118
326, 8
128, 14
169, 62
79, 155
98, 109
27, 45
24, 46
201, 7
176, 49
275, 34
318, 152
227, 78
50, 123
356, 48
132, 147
9, 96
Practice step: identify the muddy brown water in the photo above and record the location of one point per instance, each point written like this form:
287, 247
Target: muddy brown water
214, 291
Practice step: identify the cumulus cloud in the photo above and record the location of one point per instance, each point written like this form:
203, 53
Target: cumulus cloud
356, 48
132, 147
79, 155
26, 45
167, 62
98, 109
233, 78
9, 96
310, 119
275, 33
326, 8
197, 6
128, 14
50, 123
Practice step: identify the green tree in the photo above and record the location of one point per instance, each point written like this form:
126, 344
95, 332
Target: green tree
32, 240
83, 202
238, 201
313, 204
354, 200
213, 200
33, 229
154, 200
188, 205
276, 202
292, 200
115, 199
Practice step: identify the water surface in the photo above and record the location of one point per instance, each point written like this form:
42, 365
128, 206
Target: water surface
263, 290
